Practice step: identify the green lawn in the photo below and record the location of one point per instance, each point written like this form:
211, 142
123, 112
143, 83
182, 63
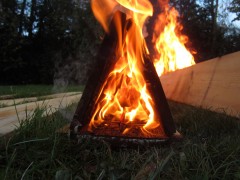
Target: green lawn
35, 90
210, 150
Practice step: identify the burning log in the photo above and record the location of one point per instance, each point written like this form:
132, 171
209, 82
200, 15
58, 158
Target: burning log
156, 90
105, 62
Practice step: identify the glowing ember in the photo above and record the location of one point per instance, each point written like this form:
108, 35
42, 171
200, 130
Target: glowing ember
124, 98
172, 53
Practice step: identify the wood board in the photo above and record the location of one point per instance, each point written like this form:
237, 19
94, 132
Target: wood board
213, 84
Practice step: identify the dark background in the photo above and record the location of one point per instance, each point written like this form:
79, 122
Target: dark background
55, 41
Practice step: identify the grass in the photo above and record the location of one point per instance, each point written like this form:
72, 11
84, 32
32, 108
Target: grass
2, 105
35, 90
210, 150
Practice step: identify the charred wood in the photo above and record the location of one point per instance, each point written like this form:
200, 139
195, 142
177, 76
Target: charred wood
106, 60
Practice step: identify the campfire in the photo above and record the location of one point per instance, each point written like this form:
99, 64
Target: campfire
124, 99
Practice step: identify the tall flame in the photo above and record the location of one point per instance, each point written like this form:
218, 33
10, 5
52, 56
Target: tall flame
172, 53
125, 95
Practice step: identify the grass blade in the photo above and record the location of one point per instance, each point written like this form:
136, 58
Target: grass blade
26, 170
162, 165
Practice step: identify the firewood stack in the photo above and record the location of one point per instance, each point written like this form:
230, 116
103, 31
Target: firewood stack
112, 130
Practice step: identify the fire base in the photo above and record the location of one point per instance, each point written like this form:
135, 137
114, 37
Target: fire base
121, 141
125, 142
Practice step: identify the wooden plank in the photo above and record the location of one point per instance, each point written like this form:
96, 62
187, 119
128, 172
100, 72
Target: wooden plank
156, 91
211, 84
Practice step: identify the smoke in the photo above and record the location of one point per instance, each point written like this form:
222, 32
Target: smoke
76, 67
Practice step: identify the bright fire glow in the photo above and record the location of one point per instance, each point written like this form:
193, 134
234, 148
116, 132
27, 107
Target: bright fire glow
172, 53
124, 97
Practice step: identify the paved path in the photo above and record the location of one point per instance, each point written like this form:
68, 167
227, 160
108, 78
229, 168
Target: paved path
11, 102
10, 116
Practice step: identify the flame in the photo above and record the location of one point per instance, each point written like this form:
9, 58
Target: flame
124, 97
170, 46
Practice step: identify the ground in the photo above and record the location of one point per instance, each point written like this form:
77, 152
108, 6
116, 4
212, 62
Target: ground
210, 150
18, 102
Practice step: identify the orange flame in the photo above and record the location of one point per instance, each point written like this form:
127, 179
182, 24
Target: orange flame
170, 46
125, 96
